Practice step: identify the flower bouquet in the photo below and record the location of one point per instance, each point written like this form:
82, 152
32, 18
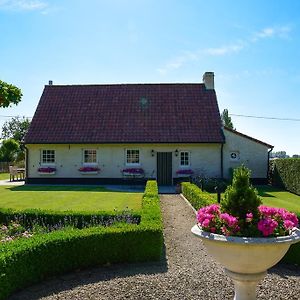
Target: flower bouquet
245, 236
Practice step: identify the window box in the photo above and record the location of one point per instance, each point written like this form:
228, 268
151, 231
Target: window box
133, 172
46, 170
89, 170
185, 173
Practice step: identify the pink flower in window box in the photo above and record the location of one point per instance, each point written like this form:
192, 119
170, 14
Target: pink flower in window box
185, 172
47, 170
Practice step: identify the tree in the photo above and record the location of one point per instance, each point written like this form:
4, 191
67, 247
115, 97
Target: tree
226, 120
9, 150
16, 128
9, 94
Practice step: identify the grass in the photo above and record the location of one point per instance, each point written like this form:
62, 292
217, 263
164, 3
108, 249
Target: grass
272, 196
4, 176
67, 198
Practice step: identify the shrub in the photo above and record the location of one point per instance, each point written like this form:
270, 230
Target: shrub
32, 217
26, 261
241, 198
286, 174
195, 196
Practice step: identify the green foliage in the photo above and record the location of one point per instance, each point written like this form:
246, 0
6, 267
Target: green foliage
9, 94
9, 150
16, 128
226, 120
31, 217
195, 196
151, 189
286, 174
241, 197
210, 184
25, 261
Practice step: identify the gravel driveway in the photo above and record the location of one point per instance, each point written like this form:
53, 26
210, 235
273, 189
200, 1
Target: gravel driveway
186, 272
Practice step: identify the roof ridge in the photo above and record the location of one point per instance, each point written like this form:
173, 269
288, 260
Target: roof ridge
120, 84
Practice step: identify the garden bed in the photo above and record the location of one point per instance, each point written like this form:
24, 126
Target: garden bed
71, 248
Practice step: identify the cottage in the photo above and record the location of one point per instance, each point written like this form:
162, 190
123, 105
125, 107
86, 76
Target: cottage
131, 132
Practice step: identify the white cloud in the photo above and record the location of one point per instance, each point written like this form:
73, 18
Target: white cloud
269, 32
233, 48
22, 5
224, 50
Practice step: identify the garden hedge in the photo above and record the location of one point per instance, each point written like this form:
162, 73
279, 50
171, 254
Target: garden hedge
285, 173
31, 217
25, 261
195, 195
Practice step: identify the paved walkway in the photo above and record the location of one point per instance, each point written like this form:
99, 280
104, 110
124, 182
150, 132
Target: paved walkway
7, 182
185, 272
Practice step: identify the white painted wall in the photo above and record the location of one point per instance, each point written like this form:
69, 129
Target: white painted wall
204, 158
252, 154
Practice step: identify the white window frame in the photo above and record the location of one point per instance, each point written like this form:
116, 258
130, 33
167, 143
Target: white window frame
189, 159
89, 163
47, 163
126, 157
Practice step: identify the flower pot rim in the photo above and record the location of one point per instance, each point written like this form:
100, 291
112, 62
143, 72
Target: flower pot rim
294, 237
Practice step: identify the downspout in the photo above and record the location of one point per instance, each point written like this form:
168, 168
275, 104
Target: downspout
268, 162
222, 167
26, 163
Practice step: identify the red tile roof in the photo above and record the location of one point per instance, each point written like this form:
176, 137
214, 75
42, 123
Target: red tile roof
126, 113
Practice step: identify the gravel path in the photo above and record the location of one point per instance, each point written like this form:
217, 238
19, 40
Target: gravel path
186, 272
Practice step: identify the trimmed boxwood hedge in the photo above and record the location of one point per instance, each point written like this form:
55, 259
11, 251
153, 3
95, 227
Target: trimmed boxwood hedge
25, 261
30, 217
285, 173
195, 195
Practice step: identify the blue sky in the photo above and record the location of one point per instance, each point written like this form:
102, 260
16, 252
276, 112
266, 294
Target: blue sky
252, 46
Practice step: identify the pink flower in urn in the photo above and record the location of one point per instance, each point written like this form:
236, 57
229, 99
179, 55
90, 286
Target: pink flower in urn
267, 226
249, 217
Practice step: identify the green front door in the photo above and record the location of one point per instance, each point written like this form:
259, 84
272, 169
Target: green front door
164, 168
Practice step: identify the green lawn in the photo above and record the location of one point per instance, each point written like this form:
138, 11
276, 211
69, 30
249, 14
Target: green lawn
4, 176
63, 198
272, 196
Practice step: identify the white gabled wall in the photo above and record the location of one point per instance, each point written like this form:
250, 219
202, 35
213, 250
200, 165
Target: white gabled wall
204, 159
252, 154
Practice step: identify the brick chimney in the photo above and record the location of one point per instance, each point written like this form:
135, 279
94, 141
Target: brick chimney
208, 80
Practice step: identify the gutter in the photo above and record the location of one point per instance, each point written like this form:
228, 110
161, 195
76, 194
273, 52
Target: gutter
268, 162
222, 167
26, 163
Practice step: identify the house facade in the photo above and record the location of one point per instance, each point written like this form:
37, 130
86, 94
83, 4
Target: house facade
129, 133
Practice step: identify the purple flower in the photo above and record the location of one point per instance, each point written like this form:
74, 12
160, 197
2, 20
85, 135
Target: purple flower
46, 169
89, 169
185, 172
133, 170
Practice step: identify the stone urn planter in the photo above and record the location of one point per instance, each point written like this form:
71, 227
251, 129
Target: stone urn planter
246, 260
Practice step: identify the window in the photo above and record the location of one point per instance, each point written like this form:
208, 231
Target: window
132, 157
48, 156
90, 156
184, 158
234, 156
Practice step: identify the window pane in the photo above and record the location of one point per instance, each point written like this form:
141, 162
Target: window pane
48, 156
133, 157
90, 156
184, 158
